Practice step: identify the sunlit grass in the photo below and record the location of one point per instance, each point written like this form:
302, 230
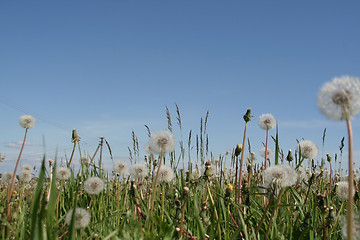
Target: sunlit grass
190, 206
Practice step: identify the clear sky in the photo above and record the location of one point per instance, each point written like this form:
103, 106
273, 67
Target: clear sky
106, 68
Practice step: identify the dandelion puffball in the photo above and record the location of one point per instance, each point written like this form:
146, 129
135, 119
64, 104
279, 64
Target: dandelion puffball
162, 142
27, 121
94, 185
267, 121
340, 98
82, 218
308, 149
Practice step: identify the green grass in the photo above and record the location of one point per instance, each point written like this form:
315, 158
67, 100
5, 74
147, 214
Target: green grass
307, 210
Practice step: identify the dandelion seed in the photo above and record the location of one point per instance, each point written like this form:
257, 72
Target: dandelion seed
166, 174
82, 218
6, 177
162, 142
139, 171
269, 153
282, 175
342, 190
25, 176
85, 160
27, 121
62, 173
27, 167
267, 121
94, 185
308, 149
355, 227
120, 167
340, 98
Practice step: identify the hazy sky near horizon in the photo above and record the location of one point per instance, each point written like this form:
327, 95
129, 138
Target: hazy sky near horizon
106, 68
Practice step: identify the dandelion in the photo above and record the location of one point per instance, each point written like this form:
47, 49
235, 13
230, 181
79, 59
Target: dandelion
268, 155
85, 160
27, 167
139, 171
308, 149
27, 121
62, 173
120, 167
267, 121
166, 174
340, 98
342, 190
162, 142
25, 176
282, 175
82, 218
355, 227
147, 148
6, 177
94, 185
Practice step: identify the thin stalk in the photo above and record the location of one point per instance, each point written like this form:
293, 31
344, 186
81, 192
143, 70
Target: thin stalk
266, 150
72, 155
350, 207
274, 213
241, 164
162, 201
265, 212
153, 195
10, 189
215, 211
236, 177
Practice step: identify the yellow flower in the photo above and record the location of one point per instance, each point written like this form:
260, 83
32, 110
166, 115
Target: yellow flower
14, 193
229, 189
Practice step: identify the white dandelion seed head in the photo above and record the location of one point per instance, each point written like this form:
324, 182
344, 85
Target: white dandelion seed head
25, 176
197, 172
166, 174
308, 149
94, 185
302, 172
82, 218
355, 228
282, 175
269, 153
342, 190
139, 171
120, 167
62, 173
6, 177
147, 148
267, 121
162, 142
340, 98
26, 167
27, 121
251, 158
85, 160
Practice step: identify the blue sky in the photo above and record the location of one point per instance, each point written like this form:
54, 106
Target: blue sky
106, 68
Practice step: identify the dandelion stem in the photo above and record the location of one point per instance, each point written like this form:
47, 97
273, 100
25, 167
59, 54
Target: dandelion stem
274, 213
153, 195
10, 189
241, 164
350, 206
72, 155
265, 212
